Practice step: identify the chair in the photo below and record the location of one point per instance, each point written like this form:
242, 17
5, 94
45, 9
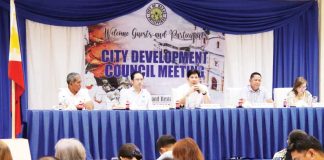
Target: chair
232, 95
279, 95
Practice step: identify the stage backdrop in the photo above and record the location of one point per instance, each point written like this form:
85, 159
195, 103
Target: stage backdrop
54, 51
158, 43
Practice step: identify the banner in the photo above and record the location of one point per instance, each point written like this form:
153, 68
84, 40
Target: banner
160, 44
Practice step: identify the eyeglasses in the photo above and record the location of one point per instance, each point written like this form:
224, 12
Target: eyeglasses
138, 79
302, 87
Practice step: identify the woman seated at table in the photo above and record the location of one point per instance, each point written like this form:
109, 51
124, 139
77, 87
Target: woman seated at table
299, 96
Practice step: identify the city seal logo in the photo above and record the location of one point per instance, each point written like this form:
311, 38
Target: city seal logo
156, 14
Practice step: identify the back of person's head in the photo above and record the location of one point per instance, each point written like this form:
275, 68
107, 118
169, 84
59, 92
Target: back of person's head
69, 148
165, 142
71, 77
129, 151
305, 144
5, 153
193, 71
296, 135
48, 158
255, 73
187, 149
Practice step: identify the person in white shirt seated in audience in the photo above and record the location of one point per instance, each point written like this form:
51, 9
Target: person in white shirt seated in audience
74, 97
192, 93
299, 96
136, 97
255, 93
165, 145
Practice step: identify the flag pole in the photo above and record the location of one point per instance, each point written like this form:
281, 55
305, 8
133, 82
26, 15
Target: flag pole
13, 110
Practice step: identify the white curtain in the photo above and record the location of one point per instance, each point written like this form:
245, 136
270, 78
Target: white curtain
246, 54
52, 52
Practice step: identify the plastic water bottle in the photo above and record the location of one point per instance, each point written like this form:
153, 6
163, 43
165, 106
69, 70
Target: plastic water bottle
285, 103
127, 105
177, 105
240, 103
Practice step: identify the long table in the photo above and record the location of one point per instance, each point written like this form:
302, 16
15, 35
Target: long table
220, 133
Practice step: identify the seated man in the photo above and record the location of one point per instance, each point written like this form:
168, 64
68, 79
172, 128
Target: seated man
192, 93
306, 149
74, 97
165, 145
129, 151
255, 93
136, 97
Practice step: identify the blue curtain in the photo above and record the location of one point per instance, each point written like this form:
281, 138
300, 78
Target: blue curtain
296, 52
5, 118
74, 12
239, 16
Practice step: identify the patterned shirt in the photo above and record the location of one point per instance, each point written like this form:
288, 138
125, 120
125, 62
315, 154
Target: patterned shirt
304, 101
280, 155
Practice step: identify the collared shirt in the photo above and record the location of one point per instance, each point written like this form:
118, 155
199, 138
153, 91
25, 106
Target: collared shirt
137, 101
67, 98
167, 154
304, 101
194, 99
259, 96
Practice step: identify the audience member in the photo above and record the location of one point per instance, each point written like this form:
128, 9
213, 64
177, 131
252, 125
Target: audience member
306, 149
293, 136
129, 151
69, 148
48, 158
187, 149
165, 145
5, 153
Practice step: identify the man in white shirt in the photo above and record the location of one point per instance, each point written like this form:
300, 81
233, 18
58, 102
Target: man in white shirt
137, 97
255, 93
74, 97
192, 93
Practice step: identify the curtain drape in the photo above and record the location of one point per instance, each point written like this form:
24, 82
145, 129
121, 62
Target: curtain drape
74, 12
246, 54
54, 51
239, 17
296, 52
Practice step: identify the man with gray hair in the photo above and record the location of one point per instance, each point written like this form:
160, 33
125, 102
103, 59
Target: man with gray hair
74, 97
70, 148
